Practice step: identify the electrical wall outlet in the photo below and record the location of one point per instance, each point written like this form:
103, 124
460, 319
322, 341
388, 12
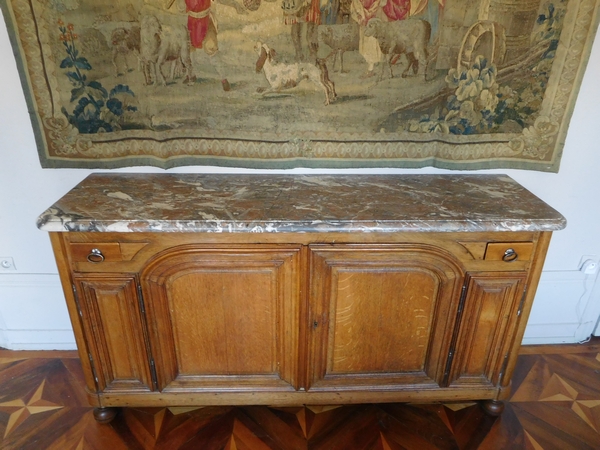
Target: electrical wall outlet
588, 264
7, 264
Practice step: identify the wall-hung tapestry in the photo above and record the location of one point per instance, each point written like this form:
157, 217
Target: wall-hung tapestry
460, 84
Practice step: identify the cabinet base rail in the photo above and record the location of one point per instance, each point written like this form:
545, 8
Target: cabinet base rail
105, 415
107, 405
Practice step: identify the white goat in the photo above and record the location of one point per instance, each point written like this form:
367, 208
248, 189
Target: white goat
342, 37
162, 43
409, 37
284, 76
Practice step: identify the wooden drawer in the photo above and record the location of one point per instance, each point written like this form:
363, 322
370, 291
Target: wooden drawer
96, 252
99, 252
508, 251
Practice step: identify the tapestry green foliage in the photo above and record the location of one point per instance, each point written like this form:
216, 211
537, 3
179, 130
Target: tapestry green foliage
479, 104
96, 109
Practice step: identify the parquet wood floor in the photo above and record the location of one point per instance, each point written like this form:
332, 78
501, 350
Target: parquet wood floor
555, 405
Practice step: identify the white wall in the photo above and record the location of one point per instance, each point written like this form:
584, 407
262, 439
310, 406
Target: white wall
32, 311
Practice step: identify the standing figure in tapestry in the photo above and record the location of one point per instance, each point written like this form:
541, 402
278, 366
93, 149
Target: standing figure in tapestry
298, 12
202, 26
196, 19
364, 10
430, 10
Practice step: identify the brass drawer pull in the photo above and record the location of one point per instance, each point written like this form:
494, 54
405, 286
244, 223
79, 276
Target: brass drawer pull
95, 256
510, 255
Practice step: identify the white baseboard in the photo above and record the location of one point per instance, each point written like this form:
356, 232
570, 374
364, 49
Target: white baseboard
556, 333
40, 340
33, 313
565, 309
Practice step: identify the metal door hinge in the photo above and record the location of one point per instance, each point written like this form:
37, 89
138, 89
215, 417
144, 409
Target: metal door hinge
76, 297
503, 368
520, 310
94, 373
459, 313
449, 364
463, 296
153, 374
141, 299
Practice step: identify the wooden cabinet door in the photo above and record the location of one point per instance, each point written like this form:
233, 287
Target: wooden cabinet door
224, 319
487, 323
381, 316
113, 326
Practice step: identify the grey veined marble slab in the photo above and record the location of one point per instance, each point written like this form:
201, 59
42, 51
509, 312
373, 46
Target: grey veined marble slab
236, 203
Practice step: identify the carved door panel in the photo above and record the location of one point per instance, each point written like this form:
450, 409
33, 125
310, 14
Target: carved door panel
381, 315
224, 318
488, 319
113, 324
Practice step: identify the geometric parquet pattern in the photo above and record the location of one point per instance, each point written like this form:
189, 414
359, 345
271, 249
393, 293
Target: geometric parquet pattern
555, 405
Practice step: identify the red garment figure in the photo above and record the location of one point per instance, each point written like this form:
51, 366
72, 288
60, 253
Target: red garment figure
309, 12
314, 12
199, 20
397, 9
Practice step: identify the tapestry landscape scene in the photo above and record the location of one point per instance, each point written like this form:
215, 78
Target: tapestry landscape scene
336, 82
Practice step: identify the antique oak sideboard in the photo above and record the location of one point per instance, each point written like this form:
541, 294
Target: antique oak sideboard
294, 289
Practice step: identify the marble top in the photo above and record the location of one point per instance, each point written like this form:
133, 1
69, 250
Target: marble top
236, 203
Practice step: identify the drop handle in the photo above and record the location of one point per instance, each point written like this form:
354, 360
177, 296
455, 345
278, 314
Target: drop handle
95, 256
510, 255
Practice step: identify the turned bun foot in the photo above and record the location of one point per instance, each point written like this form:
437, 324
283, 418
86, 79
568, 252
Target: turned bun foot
105, 415
492, 407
